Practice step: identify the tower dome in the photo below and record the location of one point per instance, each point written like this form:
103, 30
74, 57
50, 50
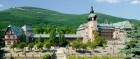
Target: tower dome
92, 15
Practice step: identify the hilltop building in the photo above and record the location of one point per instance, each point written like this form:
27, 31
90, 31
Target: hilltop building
84, 31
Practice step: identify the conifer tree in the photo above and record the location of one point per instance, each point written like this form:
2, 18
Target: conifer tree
62, 40
52, 37
23, 37
132, 49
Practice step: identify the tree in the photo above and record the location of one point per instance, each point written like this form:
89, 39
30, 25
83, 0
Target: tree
95, 35
133, 46
46, 56
83, 46
47, 45
39, 39
39, 46
52, 37
21, 45
88, 43
93, 45
76, 44
12, 57
72, 57
23, 38
36, 30
84, 57
96, 57
62, 40
13, 46
108, 57
2, 43
44, 32
102, 41
99, 40
30, 46
96, 38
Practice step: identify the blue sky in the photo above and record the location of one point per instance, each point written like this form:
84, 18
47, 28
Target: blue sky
129, 9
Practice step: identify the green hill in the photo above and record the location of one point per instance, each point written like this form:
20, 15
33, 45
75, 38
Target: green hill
36, 17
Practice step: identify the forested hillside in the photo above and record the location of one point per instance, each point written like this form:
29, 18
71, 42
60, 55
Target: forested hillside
43, 20
38, 17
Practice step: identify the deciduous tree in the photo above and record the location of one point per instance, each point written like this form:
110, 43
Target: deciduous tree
30, 46
76, 44
47, 45
13, 46
83, 46
39, 45
62, 40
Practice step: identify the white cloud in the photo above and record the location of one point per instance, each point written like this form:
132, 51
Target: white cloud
135, 2
113, 1
109, 1
1, 5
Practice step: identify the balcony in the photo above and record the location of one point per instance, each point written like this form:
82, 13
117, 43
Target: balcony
10, 38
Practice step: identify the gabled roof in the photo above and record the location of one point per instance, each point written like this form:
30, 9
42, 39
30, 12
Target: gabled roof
82, 26
17, 30
26, 28
120, 25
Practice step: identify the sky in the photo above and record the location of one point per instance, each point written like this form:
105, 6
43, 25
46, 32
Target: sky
129, 9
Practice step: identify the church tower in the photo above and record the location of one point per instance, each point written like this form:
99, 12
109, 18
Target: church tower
91, 25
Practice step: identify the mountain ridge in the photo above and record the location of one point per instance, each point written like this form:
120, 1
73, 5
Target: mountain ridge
36, 17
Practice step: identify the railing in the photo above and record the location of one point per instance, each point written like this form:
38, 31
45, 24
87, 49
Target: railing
10, 38
9, 33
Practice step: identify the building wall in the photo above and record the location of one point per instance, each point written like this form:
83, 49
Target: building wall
10, 38
91, 28
107, 33
10, 42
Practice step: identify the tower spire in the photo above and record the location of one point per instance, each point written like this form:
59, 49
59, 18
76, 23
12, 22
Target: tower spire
91, 10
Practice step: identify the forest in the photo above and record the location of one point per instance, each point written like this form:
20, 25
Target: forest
38, 17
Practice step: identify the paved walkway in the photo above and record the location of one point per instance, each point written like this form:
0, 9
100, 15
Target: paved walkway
59, 53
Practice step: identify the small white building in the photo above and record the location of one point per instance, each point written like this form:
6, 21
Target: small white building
12, 35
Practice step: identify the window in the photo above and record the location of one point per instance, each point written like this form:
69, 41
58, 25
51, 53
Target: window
13, 36
8, 36
8, 43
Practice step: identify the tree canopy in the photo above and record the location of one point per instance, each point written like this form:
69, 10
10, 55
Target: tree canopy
132, 48
76, 44
62, 39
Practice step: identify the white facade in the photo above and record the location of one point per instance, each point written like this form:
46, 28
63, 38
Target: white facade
10, 42
87, 30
